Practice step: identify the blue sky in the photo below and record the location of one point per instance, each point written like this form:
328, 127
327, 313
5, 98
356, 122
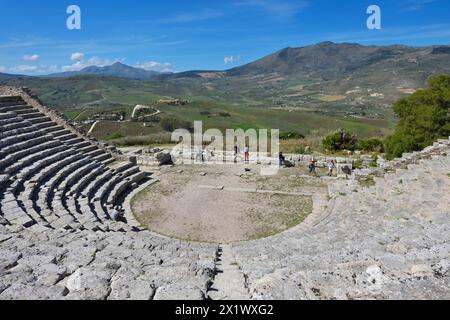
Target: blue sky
186, 35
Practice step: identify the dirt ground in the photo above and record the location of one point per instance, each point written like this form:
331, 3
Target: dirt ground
221, 204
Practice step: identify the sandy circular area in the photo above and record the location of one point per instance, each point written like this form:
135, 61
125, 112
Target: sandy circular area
224, 203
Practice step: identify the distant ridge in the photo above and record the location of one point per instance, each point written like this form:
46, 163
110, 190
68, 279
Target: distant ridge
332, 61
118, 70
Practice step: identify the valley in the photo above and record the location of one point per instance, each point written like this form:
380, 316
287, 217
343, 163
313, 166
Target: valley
310, 91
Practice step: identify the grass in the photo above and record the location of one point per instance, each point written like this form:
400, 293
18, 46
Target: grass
154, 139
308, 124
241, 103
104, 129
367, 182
295, 209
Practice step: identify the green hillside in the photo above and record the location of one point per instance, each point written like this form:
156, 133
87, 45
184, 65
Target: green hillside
306, 90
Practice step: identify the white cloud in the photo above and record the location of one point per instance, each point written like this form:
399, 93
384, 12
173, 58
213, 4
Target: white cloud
155, 66
24, 68
413, 5
77, 56
84, 63
33, 57
205, 14
231, 59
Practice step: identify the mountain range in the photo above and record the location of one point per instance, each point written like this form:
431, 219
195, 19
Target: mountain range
326, 76
326, 60
117, 69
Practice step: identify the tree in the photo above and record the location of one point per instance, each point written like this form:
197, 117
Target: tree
423, 118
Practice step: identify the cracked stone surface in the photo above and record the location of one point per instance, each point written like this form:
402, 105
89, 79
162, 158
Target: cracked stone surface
99, 266
387, 241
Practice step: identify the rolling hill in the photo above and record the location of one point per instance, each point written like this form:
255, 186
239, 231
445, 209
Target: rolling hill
328, 60
374, 76
321, 86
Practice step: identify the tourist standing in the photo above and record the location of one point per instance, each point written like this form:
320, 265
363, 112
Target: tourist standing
200, 155
312, 167
247, 153
236, 152
282, 159
331, 167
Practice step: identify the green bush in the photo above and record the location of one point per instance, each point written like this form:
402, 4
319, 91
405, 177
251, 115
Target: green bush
399, 143
371, 145
358, 163
340, 140
423, 118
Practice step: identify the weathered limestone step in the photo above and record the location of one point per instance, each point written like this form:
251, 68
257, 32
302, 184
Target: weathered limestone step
229, 283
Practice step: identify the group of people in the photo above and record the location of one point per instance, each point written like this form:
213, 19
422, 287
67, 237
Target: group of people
331, 165
200, 154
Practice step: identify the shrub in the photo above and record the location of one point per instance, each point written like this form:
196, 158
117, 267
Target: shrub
399, 143
371, 145
224, 114
358, 163
340, 140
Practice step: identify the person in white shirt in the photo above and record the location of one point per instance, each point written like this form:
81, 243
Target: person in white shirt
331, 167
246, 153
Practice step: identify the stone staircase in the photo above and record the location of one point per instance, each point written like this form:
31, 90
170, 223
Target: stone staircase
229, 282
53, 176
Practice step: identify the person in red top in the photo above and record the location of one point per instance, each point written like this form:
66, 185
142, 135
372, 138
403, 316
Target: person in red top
312, 167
